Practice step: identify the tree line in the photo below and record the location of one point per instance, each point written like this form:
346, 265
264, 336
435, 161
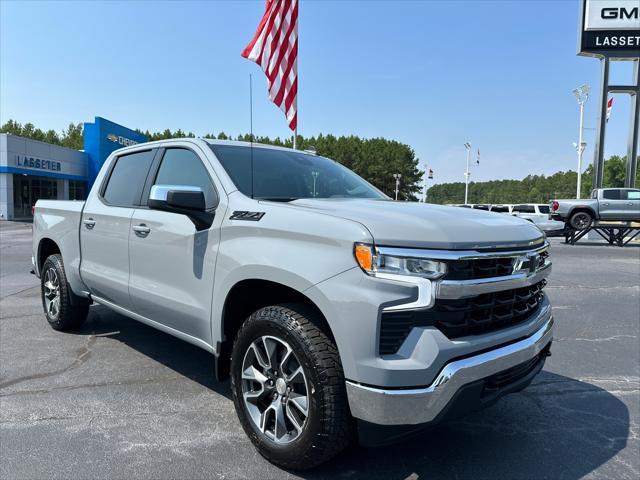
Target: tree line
376, 160
532, 188
71, 137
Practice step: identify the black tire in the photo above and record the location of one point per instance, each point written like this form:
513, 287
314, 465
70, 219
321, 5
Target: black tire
580, 220
329, 425
71, 311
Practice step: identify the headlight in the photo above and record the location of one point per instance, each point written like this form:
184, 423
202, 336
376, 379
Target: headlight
376, 263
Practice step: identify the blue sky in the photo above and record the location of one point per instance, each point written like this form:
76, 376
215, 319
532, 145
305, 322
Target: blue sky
432, 74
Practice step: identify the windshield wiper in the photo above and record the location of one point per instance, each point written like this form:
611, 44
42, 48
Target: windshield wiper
278, 199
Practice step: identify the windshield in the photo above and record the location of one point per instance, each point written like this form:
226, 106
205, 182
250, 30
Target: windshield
286, 175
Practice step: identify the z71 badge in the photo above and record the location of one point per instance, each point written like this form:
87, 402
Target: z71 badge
244, 215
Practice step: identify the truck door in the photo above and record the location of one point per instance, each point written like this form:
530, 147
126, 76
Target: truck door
612, 204
633, 205
172, 264
105, 227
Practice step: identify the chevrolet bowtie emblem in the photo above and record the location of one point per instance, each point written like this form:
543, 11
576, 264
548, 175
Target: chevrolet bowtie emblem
526, 263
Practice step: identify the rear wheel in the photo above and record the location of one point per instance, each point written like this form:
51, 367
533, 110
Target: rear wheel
580, 220
62, 313
288, 387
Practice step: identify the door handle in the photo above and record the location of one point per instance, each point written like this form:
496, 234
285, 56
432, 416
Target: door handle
630, 204
141, 230
605, 204
89, 223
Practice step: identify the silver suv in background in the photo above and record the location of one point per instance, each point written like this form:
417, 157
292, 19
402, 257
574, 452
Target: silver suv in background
333, 309
538, 214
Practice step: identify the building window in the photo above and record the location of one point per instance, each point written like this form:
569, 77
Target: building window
76, 190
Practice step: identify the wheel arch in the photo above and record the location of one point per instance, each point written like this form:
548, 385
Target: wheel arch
46, 248
245, 297
581, 208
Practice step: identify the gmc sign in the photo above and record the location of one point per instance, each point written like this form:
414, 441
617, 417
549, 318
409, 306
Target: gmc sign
610, 28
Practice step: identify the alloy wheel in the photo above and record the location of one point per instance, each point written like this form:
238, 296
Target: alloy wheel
52, 293
274, 389
581, 221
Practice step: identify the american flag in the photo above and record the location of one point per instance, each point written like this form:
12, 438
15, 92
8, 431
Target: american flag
609, 108
275, 48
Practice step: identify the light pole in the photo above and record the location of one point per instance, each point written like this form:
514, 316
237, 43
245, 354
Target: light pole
424, 179
582, 95
397, 176
467, 173
428, 174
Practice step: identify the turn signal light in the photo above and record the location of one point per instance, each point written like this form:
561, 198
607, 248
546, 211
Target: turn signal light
364, 256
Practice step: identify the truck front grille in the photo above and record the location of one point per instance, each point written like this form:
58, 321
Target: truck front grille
462, 317
479, 268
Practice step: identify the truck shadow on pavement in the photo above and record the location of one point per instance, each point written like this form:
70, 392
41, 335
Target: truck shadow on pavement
558, 427
182, 357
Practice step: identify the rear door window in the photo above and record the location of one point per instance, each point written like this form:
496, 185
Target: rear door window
543, 208
633, 194
500, 209
126, 181
612, 194
523, 209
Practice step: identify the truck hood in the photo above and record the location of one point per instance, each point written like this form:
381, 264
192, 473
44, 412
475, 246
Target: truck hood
420, 225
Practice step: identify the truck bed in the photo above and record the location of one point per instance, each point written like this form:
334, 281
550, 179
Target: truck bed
59, 220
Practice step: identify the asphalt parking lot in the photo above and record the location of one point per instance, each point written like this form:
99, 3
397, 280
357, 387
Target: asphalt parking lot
118, 399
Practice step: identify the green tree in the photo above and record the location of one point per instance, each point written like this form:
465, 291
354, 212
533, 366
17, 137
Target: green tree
73, 136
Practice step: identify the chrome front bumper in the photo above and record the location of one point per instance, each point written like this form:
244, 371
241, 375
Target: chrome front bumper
422, 405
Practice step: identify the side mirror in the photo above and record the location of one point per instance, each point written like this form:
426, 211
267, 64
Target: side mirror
182, 199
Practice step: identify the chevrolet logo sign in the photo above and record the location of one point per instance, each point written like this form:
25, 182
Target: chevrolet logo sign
125, 142
526, 263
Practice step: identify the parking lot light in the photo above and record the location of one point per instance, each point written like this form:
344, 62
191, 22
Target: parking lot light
582, 95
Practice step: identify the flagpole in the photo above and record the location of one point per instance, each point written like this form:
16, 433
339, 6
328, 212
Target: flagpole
295, 138
466, 174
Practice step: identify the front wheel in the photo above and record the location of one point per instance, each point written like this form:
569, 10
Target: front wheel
288, 387
580, 220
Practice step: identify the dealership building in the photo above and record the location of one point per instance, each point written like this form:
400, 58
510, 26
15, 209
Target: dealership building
31, 170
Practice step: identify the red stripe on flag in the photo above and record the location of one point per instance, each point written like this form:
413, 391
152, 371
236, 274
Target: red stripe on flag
245, 53
278, 59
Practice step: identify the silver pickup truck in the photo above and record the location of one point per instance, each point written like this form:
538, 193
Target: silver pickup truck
334, 310
613, 204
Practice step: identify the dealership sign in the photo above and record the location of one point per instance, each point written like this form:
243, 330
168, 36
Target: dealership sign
610, 28
26, 161
103, 137
119, 139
